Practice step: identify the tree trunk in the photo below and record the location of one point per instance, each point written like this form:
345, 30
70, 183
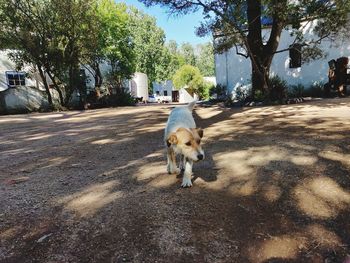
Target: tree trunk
56, 87
72, 83
254, 39
261, 54
98, 75
47, 89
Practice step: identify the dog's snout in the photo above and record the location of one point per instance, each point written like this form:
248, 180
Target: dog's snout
200, 156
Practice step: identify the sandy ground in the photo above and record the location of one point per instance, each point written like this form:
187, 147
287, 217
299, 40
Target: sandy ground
92, 186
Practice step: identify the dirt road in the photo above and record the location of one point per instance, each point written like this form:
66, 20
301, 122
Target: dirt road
92, 187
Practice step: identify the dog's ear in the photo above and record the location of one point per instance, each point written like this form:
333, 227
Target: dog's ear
200, 132
171, 140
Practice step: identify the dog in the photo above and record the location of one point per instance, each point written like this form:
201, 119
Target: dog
183, 138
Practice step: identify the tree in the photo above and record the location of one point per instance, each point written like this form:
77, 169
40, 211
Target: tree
49, 35
75, 29
205, 59
187, 52
240, 23
148, 42
23, 29
113, 44
190, 77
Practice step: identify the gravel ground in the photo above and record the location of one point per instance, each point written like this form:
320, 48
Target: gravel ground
92, 186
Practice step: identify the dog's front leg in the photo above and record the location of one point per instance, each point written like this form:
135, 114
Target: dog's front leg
186, 180
171, 167
182, 163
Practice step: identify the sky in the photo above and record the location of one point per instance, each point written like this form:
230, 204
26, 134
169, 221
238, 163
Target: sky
180, 28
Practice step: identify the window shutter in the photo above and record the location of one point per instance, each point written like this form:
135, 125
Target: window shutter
295, 56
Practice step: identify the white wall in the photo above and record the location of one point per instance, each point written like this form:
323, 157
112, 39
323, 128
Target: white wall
6, 64
185, 97
163, 86
139, 85
211, 80
233, 70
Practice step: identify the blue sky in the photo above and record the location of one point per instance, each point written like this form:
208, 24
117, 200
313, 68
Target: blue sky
181, 28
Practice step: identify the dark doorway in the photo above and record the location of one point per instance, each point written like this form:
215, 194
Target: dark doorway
175, 96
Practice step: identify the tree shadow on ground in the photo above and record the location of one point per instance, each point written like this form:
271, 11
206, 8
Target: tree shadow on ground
274, 188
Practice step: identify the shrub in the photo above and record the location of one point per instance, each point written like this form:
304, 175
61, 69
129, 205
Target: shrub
278, 89
190, 77
218, 92
296, 91
315, 90
122, 97
259, 96
242, 93
204, 90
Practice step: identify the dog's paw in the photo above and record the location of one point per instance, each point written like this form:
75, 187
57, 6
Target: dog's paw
186, 182
173, 170
176, 171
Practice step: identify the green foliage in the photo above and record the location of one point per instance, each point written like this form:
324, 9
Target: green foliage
148, 41
120, 98
278, 89
239, 23
242, 93
189, 77
114, 44
49, 35
205, 59
187, 52
204, 90
218, 91
296, 91
315, 90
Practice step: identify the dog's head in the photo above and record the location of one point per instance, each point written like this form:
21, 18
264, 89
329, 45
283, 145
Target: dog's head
187, 142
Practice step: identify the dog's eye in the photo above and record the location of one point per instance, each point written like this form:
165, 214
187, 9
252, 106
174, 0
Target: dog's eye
199, 142
188, 143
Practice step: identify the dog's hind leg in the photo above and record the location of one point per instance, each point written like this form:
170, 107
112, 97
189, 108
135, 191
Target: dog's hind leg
171, 167
186, 180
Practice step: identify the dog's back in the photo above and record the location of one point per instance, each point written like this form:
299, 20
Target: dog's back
180, 117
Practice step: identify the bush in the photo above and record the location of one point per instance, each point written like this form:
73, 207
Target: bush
218, 93
259, 96
315, 90
296, 91
190, 77
120, 98
278, 89
243, 93
204, 90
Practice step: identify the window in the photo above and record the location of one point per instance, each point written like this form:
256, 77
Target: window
15, 78
295, 56
165, 93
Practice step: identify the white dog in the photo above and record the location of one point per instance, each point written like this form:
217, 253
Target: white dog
183, 138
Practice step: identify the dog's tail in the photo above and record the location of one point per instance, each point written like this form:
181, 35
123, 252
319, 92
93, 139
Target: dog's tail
191, 105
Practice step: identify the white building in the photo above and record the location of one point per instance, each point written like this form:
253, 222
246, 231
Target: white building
164, 88
10, 77
233, 70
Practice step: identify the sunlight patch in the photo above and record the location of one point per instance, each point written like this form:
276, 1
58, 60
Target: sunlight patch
90, 200
103, 141
303, 160
335, 156
321, 197
283, 247
271, 193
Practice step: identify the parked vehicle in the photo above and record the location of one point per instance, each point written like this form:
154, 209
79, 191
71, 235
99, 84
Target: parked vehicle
159, 98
